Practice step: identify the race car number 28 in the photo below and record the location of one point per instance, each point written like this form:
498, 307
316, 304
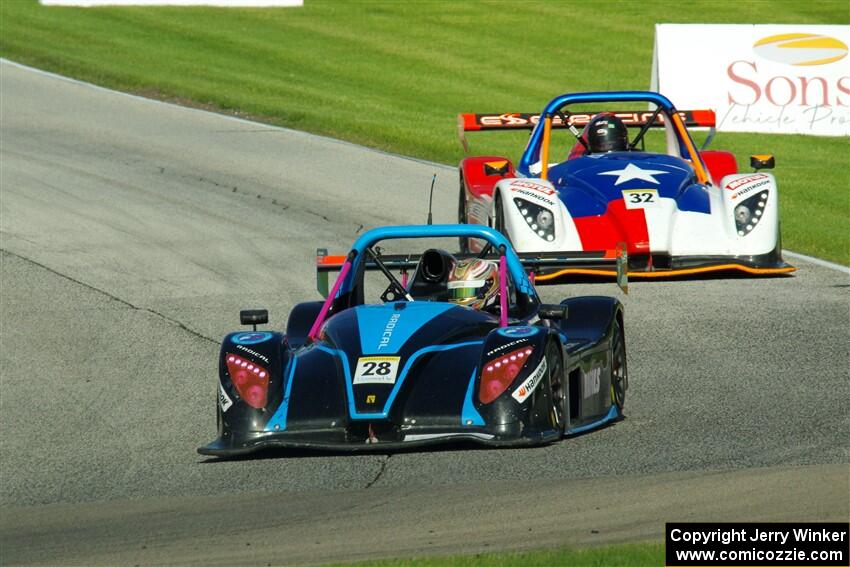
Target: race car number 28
640, 198
376, 370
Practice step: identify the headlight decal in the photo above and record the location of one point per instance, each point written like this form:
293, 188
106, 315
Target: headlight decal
749, 212
539, 219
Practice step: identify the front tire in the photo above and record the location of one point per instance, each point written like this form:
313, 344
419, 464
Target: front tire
619, 367
557, 388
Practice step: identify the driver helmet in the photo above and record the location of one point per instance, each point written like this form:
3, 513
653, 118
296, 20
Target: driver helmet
474, 283
607, 133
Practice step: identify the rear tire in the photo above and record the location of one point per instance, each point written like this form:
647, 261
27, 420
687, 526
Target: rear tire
619, 367
463, 241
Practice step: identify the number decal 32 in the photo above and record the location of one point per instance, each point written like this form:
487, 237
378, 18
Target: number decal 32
376, 370
640, 198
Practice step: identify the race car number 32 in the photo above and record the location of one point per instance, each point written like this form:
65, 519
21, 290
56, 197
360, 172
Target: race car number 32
640, 198
376, 370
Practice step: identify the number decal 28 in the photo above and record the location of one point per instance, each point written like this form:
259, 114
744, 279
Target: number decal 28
373, 368
376, 370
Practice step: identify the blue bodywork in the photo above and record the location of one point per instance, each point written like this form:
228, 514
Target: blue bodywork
318, 397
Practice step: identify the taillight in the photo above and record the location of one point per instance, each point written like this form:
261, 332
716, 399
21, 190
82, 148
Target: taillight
500, 372
250, 379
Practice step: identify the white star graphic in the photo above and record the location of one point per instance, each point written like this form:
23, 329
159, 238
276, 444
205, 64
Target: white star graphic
632, 171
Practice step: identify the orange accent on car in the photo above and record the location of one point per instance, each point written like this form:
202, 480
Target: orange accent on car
702, 177
544, 149
330, 260
667, 273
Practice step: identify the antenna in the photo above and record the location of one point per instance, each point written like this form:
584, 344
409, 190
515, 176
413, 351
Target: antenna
431, 198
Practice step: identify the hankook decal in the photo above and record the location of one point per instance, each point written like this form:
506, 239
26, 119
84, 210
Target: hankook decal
527, 388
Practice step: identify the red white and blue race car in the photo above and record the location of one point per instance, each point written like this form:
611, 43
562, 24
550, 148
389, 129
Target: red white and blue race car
677, 210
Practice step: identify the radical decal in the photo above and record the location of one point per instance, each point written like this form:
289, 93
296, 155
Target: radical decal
383, 330
253, 353
388, 330
500, 348
527, 388
640, 198
518, 331
251, 338
224, 400
376, 370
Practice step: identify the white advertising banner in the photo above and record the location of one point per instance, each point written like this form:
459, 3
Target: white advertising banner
218, 3
788, 79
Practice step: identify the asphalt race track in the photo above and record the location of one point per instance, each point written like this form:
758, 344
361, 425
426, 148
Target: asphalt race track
134, 231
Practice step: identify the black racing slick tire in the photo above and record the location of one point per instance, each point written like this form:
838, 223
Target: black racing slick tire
499, 221
557, 387
619, 367
463, 241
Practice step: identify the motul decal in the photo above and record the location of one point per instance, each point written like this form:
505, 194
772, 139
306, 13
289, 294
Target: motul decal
533, 195
732, 185
522, 184
527, 388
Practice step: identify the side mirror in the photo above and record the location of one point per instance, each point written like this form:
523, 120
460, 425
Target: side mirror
764, 161
553, 311
254, 317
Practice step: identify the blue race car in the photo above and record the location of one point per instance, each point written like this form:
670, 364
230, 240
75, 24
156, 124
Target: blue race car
462, 350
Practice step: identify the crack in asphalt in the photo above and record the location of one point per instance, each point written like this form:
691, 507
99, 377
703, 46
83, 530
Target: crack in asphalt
112, 297
380, 472
237, 190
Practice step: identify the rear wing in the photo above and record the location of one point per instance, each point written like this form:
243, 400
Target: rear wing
522, 121
544, 266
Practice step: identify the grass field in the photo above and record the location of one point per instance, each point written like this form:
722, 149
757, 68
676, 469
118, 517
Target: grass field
393, 75
626, 555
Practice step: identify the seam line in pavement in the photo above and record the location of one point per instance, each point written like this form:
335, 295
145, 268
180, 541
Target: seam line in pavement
110, 296
380, 472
